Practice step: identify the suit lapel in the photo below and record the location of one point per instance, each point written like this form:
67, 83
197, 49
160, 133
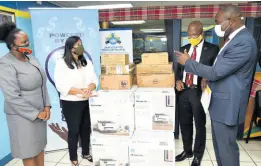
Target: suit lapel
231, 41
203, 52
183, 67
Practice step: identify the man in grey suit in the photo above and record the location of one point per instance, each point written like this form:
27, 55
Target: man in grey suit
230, 80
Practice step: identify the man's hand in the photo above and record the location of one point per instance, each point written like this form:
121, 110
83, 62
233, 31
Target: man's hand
61, 132
42, 115
204, 84
47, 110
182, 57
179, 85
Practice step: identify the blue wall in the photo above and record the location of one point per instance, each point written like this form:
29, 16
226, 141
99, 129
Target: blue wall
25, 24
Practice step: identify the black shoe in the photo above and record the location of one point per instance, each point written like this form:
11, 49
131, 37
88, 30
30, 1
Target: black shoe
196, 161
88, 157
183, 156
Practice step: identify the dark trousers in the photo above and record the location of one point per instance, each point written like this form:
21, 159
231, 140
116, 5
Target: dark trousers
77, 117
189, 106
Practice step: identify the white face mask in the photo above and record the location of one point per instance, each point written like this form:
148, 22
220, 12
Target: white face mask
219, 31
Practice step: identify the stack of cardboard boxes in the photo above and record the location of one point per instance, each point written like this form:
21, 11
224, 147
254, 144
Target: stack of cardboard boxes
155, 71
152, 143
117, 72
134, 126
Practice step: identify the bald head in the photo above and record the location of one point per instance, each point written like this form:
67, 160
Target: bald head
229, 17
232, 11
195, 29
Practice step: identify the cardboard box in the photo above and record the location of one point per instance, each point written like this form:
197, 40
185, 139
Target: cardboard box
118, 69
156, 80
152, 149
116, 82
108, 151
155, 58
154, 69
112, 113
155, 109
114, 59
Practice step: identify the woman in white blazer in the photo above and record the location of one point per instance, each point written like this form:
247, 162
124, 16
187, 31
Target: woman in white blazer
75, 79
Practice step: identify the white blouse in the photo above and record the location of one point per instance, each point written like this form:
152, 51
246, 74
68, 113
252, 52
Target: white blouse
66, 78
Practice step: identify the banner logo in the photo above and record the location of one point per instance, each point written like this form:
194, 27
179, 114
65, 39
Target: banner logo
113, 39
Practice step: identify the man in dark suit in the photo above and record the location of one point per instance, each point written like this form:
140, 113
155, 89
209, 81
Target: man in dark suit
189, 92
229, 80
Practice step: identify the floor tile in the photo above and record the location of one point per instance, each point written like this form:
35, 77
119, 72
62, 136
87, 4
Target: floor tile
55, 156
252, 145
50, 164
18, 163
203, 163
206, 156
178, 151
241, 163
206, 163
12, 162
212, 154
66, 158
244, 156
85, 163
240, 146
247, 164
214, 162
208, 136
208, 122
255, 155
209, 144
182, 163
179, 143
62, 164
208, 129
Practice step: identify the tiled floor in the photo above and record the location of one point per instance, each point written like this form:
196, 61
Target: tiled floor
250, 154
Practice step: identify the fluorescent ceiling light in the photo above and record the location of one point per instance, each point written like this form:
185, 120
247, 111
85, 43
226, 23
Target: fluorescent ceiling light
152, 30
113, 6
164, 39
128, 22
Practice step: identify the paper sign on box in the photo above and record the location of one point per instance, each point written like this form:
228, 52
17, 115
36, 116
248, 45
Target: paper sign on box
114, 59
152, 149
154, 69
155, 109
112, 113
116, 82
156, 80
109, 151
155, 58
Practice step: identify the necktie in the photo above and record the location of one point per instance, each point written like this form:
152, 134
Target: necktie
227, 39
189, 76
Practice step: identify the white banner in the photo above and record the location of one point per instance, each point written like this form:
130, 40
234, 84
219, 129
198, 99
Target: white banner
51, 28
117, 40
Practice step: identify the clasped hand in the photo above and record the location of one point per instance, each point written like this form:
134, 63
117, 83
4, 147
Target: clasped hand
86, 92
44, 114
